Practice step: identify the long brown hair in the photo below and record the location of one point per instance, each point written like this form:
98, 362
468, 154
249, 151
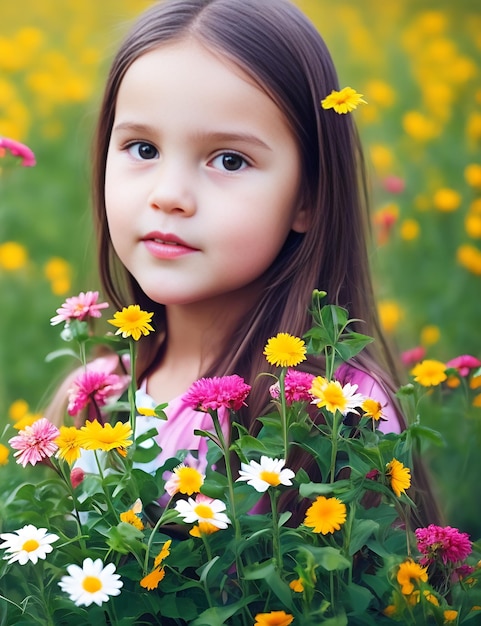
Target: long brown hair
281, 50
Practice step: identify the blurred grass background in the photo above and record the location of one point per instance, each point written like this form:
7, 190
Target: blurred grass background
418, 65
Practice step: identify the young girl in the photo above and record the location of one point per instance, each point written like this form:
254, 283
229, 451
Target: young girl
225, 194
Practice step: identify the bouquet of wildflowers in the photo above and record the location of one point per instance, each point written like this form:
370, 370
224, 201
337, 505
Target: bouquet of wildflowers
107, 542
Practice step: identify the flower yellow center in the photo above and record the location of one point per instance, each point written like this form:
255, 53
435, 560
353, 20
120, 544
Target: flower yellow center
204, 511
272, 478
92, 584
30, 545
333, 397
190, 480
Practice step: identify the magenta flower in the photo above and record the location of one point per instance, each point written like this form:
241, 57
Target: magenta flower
446, 544
79, 308
464, 363
413, 356
393, 184
35, 442
212, 393
18, 149
297, 386
94, 386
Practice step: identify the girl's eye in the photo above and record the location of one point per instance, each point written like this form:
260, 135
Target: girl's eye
142, 150
230, 162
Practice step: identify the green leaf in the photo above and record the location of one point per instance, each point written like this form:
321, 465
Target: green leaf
307, 490
328, 557
353, 344
217, 616
362, 530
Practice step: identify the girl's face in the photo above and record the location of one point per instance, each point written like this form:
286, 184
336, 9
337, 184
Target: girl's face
202, 177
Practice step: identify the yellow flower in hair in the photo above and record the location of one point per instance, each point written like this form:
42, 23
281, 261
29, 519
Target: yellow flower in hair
343, 101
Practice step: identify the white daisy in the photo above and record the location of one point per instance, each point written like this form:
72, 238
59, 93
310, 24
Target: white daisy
203, 509
27, 544
268, 473
91, 583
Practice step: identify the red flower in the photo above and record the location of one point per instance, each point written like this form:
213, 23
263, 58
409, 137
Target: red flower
212, 393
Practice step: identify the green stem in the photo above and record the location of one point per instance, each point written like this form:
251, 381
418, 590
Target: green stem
276, 540
132, 388
284, 424
335, 434
106, 493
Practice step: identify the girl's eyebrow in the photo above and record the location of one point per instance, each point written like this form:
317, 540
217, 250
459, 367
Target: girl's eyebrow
215, 136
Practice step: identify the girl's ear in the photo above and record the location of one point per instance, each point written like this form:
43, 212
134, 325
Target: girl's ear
301, 221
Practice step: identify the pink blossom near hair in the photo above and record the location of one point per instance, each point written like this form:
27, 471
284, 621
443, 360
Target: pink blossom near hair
94, 386
464, 363
18, 149
297, 386
208, 394
79, 307
446, 544
35, 443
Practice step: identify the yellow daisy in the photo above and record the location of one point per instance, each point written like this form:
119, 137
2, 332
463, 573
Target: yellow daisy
372, 408
429, 373
409, 574
325, 515
343, 101
129, 517
68, 443
132, 322
94, 436
274, 618
152, 580
399, 476
285, 350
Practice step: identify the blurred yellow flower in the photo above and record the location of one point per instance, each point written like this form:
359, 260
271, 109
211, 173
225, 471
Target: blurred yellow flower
450, 616
17, 410
472, 174
55, 268
473, 126
419, 126
390, 314
430, 334
409, 229
475, 206
4, 452
13, 256
60, 286
130, 517
380, 93
472, 225
382, 157
470, 258
447, 200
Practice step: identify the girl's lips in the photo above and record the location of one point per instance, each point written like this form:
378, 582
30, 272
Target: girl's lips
166, 245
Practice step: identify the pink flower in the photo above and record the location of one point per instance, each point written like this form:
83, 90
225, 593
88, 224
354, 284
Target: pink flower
442, 543
93, 385
79, 307
76, 476
35, 442
393, 184
297, 387
212, 393
464, 363
413, 356
18, 149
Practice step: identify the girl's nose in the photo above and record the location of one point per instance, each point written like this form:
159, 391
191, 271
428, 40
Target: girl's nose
172, 190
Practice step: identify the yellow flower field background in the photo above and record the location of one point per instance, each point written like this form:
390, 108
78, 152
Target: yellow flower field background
418, 65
